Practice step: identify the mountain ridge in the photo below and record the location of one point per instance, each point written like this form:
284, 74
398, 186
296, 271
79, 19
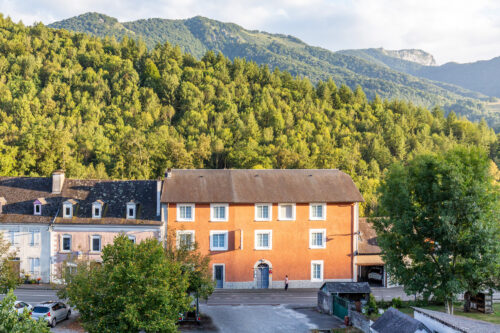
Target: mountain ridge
198, 35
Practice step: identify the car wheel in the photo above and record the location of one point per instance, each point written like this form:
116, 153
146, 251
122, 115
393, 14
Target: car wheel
53, 323
68, 314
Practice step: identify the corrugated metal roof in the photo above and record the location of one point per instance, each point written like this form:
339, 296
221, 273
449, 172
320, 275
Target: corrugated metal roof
251, 186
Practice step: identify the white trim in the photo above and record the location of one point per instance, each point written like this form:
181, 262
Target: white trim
62, 250
39, 209
270, 212
177, 208
67, 205
256, 245
322, 218
133, 206
184, 232
223, 273
226, 212
33, 232
105, 227
91, 249
321, 262
311, 231
217, 232
281, 218
94, 206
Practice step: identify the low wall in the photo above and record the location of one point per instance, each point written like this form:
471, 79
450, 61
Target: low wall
359, 320
325, 302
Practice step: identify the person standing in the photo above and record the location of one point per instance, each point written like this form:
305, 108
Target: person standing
286, 282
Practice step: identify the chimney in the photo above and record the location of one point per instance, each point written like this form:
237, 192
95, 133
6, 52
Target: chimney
57, 181
158, 196
168, 173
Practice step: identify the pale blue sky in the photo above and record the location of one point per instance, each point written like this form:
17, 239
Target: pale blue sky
451, 30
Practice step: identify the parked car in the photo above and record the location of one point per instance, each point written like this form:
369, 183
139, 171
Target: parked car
52, 312
375, 274
20, 307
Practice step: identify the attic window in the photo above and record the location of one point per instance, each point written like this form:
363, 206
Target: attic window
97, 209
37, 209
68, 208
131, 210
2, 203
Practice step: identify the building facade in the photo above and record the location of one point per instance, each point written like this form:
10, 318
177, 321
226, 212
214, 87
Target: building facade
51, 221
259, 226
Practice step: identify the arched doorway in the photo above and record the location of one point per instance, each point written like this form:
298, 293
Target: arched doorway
262, 275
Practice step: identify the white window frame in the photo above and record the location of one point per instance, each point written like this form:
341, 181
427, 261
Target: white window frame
92, 243
270, 233
184, 232
178, 209
311, 232
315, 262
65, 207
212, 212
217, 232
134, 207
14, 236
34, 267
269, 208
282, 218
132, 238
33, 240
39, 209
311, 217
70, 243
94, 206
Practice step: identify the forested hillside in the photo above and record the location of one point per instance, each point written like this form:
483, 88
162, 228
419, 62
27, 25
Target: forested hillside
102, 108
197, 35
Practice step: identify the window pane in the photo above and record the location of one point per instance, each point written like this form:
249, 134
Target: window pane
317, 271
287, 211
220, 212
185, 212
263, 211
317, 238
218, 240
68, 211
317, 211
185, 239
96, 211
96, 244
66, 243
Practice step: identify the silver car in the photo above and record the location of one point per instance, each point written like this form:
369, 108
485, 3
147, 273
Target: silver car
20, 307
52, 312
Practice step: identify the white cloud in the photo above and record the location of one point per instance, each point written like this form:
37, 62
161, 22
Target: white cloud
452, 30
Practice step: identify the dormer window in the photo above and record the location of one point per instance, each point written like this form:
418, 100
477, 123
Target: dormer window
68, 206
97, 209
37, 206
3, 202
131, 210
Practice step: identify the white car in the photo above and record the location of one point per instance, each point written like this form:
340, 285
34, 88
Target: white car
52, 312
20, 307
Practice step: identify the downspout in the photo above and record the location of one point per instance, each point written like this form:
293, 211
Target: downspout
51, 227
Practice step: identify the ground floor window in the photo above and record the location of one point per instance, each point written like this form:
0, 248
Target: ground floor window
34, 267
96, 243
317, 270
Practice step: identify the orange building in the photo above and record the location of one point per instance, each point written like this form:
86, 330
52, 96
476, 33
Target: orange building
259, 226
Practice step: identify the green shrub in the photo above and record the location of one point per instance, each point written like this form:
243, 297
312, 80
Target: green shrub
397, 303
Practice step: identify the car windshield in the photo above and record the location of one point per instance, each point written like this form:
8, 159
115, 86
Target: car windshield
40, 309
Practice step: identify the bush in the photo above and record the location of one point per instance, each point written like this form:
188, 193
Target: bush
372, 305
397, 303
383, 304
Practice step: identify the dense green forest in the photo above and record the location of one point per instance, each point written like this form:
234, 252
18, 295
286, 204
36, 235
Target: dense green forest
198, 35
100, 108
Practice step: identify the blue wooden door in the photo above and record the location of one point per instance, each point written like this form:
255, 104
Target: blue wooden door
263, 276
219, 276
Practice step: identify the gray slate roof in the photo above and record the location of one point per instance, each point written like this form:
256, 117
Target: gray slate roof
461, 324
115, 195
252, 186
20, 193
393, 321
346, 287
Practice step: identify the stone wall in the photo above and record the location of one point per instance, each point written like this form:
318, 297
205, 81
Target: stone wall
359, 320
325, 302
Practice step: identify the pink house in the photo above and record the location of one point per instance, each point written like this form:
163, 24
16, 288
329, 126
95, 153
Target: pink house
93, 212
